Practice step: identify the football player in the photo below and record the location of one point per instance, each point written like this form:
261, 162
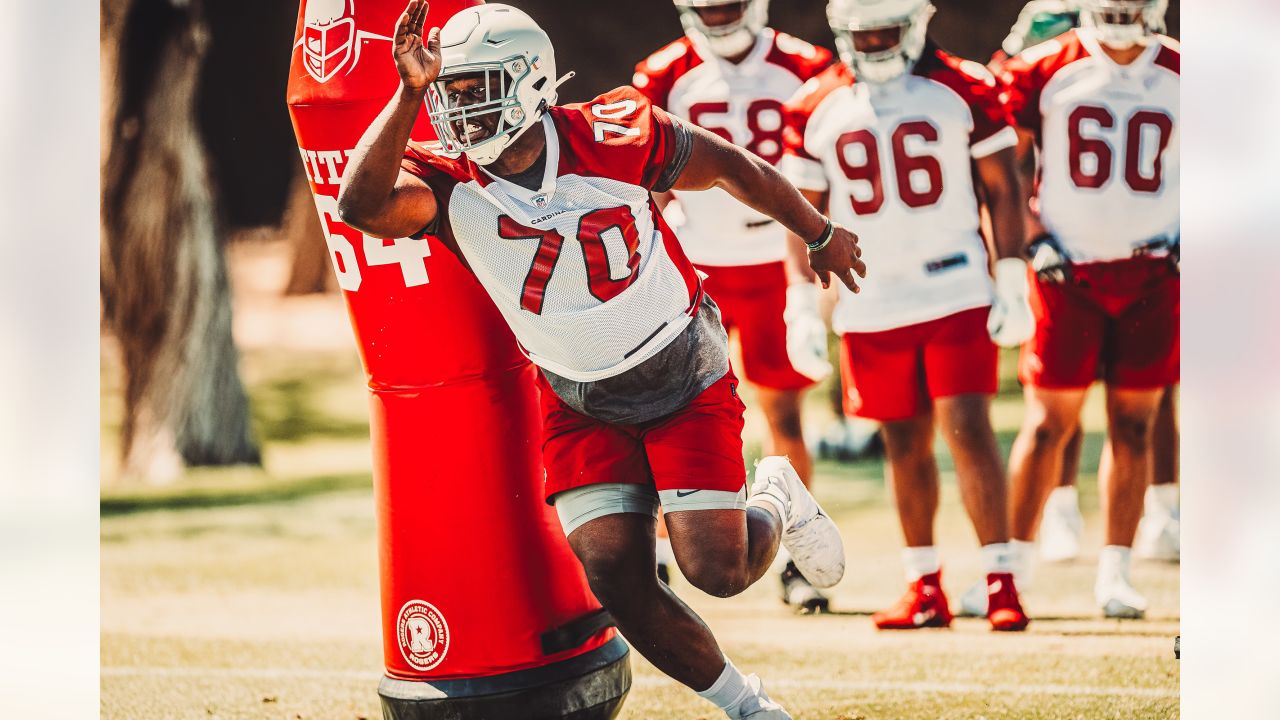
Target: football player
549, 206
1061, 524
903, 139
730, 75
1101, 104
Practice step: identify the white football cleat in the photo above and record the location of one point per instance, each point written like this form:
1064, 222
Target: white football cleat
1160, 529
974, 601
1062, 526
758, 705
807, 532
1115, 594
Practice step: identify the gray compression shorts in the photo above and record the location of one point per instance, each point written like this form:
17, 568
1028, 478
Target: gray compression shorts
581, 505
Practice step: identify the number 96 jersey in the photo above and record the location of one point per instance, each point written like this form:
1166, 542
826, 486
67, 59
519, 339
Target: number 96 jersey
896, 161
586, 274
741, 103
1108, 136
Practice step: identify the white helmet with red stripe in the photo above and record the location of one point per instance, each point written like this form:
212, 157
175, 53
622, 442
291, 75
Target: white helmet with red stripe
1123, 23
909, 17
731, 38
505, 47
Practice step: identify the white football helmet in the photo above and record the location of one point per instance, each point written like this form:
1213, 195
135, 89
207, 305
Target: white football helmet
911, 17
496, 42
725, 40
1041, 20
1122, 23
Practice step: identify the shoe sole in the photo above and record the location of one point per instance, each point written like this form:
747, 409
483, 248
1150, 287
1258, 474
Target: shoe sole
1117, 611
819, 577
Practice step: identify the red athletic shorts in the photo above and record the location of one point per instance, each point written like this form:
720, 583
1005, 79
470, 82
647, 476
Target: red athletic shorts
752, 299
1115, 321
895, 374
696, 448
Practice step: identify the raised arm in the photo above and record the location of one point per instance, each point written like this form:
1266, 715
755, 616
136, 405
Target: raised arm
714, 162
376, 196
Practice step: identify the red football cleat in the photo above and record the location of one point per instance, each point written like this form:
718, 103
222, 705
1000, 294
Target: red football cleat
923, 606
1004, 610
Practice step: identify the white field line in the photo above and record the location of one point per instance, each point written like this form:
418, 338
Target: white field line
648, 681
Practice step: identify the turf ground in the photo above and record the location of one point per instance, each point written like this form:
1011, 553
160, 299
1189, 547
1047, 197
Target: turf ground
253, 593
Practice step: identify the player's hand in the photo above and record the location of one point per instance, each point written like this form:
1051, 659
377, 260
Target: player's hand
1011, 323
841, 258
417, 63
1048, 259
806, 333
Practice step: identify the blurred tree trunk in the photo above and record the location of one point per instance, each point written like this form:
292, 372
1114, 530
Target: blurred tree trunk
164, 278
309, 270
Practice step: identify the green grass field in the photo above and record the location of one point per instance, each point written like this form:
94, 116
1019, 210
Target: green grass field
247, 593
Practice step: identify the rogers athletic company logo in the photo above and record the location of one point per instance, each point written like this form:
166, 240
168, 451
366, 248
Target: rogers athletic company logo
423, 635
330, 40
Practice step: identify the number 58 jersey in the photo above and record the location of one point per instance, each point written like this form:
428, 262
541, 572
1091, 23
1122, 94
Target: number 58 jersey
896, 162
587, 275
1108, 136
742, 103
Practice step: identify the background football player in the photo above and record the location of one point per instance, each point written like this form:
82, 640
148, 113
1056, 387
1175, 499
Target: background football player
550, 208
893, 138
1062, 524
730, 74
1101, 103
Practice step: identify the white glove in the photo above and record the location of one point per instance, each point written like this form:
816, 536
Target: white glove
1011, 323
806, 333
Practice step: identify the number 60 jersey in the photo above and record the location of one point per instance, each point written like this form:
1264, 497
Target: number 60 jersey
896, 161
583, 269
1108, 137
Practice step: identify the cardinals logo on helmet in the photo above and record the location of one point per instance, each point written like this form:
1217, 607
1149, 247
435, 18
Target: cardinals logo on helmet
330, 40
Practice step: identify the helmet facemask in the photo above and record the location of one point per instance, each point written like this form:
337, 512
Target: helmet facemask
881, 66
1120, 24
732, 38
484, 126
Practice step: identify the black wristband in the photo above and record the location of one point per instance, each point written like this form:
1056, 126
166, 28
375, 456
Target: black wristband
824, 238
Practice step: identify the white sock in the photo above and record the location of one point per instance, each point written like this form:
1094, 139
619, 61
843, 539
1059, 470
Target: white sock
998, 558
1064, 497
1113, 561
766, 499
1162, 499
1023, 553
920, 561
729, 689
666, 556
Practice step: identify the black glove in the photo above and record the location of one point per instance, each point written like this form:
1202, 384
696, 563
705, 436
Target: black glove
1048, 259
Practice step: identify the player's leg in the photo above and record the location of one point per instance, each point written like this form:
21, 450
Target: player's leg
913, 475
883, 377
1062, 524
616, 551
1142, 361
1050, 418
762, 333
786, 436
1159, 532
1123, 482
1057, 365
719, 538
960, 365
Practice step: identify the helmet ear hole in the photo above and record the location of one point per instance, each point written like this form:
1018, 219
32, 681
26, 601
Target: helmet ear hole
538, 85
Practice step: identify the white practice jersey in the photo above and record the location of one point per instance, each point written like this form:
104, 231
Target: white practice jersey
742, 103
1108, 137
587, 275
896, 162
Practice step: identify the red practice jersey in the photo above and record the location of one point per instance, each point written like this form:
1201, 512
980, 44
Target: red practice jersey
896, 161
586, 273
1108, 138
742, 103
